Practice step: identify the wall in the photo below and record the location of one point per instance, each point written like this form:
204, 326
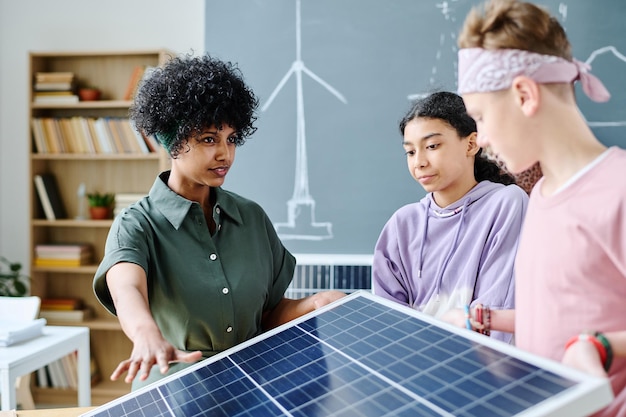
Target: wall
42, 25
376, 55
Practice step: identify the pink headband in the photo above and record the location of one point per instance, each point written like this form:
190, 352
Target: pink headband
486, 70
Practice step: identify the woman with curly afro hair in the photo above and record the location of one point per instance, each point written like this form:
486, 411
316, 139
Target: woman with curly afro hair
193, 269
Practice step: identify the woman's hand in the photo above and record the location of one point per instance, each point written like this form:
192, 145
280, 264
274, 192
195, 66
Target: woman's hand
148, 350
129, 290
288, 309
326, 297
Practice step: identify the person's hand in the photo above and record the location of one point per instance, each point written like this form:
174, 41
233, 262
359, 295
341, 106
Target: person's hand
326, 297
150, 349
584, 356
455, 317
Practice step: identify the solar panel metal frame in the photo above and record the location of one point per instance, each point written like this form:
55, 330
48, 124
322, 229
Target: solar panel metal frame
586, 395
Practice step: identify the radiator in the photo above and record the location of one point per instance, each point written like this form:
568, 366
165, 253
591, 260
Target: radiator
318, 272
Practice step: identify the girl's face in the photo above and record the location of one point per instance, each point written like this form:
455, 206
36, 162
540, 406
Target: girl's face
440, 160
208, 158
502, 126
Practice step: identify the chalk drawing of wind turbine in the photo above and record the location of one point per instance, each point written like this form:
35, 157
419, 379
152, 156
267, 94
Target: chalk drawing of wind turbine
301, 222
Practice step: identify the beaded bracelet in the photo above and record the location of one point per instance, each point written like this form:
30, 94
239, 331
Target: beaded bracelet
607, 347
487, 321
593, 339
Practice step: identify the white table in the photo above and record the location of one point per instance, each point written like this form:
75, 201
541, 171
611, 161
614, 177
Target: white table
28, 356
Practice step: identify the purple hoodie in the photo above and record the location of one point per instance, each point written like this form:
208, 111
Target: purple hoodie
435, 259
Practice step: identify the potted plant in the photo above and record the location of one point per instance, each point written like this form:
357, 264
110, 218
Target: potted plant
12, 283
101, 205
89, 93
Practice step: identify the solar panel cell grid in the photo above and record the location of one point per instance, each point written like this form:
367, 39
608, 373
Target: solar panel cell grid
359, 358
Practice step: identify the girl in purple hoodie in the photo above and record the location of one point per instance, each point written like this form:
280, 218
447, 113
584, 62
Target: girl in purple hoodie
455, 247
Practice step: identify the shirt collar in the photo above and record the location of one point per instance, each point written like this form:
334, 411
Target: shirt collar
175, 207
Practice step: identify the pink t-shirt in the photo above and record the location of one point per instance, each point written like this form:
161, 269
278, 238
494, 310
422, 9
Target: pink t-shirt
571, 266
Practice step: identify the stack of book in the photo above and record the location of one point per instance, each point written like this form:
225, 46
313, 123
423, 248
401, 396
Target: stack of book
123, 200
63, 254
64, 309
55, 88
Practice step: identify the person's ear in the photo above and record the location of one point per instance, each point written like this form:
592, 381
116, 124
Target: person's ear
472, 145
526, 94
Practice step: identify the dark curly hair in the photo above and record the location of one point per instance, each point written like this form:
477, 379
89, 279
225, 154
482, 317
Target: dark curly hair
449, 108
189, 94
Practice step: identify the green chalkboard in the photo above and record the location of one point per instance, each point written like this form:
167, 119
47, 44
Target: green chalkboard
335, 76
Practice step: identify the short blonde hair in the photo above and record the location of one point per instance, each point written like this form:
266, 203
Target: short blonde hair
512, 24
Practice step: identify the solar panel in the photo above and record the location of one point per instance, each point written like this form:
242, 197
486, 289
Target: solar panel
367, 356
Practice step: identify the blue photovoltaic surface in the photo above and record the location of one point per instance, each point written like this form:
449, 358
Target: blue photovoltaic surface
360, 358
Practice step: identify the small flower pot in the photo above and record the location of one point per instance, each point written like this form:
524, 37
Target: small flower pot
89, 94
101, 213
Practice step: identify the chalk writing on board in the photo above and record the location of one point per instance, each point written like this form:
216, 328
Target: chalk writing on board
301, 222
606, 50
447, 44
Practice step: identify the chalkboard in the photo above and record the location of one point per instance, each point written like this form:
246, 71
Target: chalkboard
335, 76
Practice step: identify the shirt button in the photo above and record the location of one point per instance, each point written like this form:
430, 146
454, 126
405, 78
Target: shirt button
224, 290
217, 210
213, 257
229, 329
219, 227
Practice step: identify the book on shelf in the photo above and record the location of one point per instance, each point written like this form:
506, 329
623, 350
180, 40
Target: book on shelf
141, 141
123, 200
65, 370
56, 99
69, 364
50, 196
57, 375
63, 254
53, 93
52, 135
151, 141
133, 82
137, 143
121, 144
55, 86
54, 81
104, 136
53, 76
43, 377
61, 304
66, 315
83, 260
39, 136
81, 126
58, 248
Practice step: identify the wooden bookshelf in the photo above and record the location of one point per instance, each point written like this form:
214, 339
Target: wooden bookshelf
109, 71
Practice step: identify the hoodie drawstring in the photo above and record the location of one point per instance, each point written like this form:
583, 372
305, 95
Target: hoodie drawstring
461, 209
421, 252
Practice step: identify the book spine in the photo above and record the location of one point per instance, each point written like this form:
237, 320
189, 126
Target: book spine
43, 197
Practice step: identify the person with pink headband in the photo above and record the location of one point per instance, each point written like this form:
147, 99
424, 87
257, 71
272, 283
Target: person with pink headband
516, 77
